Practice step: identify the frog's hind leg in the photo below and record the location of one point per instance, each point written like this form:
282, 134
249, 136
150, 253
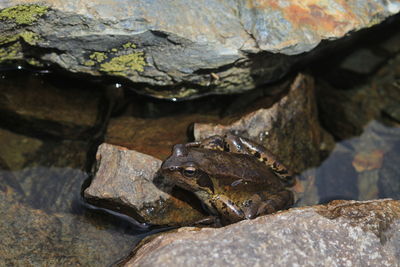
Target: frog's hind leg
265, 203
214, 142
242, 145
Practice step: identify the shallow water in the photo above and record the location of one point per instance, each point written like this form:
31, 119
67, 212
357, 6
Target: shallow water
51, 125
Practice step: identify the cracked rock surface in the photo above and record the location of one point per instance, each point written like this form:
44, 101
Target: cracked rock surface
179, 49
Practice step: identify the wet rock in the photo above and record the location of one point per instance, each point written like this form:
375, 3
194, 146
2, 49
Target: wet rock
290, 128
362, 167
34, 237
336, 178
35, 106
150, 136
16, 148
191, 47
363, 61
125, 181
49, 173
342, 233
346, 109
389, 182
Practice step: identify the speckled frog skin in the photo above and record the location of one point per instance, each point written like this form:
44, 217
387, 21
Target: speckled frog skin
234, 177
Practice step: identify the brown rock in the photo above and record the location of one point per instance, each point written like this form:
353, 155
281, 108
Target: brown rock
32, 105
290, 128
32, 237
342, 233
124, 182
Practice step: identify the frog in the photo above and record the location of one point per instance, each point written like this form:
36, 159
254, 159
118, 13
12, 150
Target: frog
233, 177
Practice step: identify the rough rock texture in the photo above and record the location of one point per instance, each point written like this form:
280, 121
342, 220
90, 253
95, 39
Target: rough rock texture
125, 182
195, 47
290, 128
342, 233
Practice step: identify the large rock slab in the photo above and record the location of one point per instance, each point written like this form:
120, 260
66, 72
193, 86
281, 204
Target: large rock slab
342, 233
179, 48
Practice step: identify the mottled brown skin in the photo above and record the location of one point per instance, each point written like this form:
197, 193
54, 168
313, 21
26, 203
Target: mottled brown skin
234, 177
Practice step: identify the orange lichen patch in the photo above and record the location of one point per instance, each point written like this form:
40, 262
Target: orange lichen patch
313, 16
318, 15
367, 161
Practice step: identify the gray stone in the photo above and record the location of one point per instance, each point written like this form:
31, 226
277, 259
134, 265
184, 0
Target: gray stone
125, 181
181, 48
342, 233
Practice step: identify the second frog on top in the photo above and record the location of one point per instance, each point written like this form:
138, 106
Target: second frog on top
234, 177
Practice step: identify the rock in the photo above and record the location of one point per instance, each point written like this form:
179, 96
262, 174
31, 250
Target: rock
179, 49
125, 181
34, 237
290, 128
150, 136
346, 109
48, 173
363, 167
31, 106
342, 233
336, 177
389, 183
363, 61
15, 149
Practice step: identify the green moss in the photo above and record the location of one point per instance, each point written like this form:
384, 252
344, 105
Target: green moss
23, 14
124, 63
114, 50
98, 56
11, 52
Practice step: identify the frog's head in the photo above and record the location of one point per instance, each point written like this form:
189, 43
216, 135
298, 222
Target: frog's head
183, 168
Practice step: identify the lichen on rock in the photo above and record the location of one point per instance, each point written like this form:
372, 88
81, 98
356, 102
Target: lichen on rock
23, 14
11, 52
118, 61
121, 64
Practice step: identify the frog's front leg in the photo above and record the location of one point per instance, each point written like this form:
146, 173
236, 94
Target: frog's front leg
228, 210
267, 203
242, 145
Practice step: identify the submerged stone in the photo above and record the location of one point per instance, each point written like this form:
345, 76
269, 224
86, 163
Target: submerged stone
39, 107
34, 237
180, 49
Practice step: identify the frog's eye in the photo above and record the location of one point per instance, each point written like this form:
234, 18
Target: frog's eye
189, 171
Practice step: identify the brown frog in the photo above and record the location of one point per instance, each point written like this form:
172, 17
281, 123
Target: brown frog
234, 177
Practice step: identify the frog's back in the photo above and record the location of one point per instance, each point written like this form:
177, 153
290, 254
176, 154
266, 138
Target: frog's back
234, 168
